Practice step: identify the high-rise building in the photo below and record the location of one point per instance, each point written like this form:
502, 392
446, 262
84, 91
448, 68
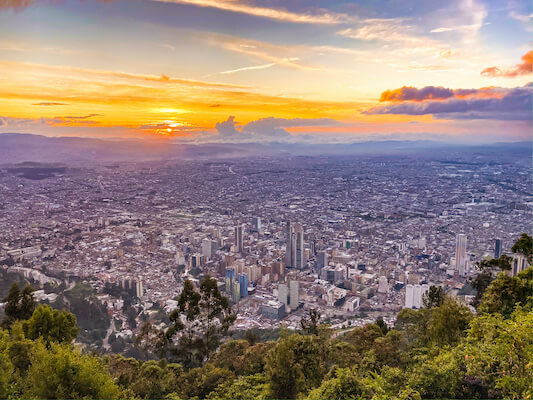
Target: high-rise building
294, 289
239, 240
139, 288
288, 251
230, 278
518, 264
300, 248
243, 285
497, 248
236, 294
256, 223
414, 294
321, 259
207, 248
295, 256
460, 254
283, 293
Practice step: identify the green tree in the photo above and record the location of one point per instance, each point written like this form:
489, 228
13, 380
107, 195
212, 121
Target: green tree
341, 384
524, 245
51, 325
295, 365
505, 292
19, 305
216, 314
434, 297
414, 325
185, 320
448, 323
6, 368
243, 388
437, 376
382, 325
63, 373
499, 353
202, 318
311, 325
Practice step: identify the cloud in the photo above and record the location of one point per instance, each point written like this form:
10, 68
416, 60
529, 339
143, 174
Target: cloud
382, 29
227, 128
485, 103
254, 67
13, 122
264, 12
266, 129
49, 103
523, 68
407, 93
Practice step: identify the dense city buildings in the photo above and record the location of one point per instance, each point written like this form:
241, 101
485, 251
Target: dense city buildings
356, 237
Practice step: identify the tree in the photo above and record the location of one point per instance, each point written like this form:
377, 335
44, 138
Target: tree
251, 337
505, 292
216, 314
19, 304
185, 319
498, 352
448, 323
311, 325
295, 365
342, 384
202, 318
51, 325
242, 388
524, 245
382, 325
434, 297
6, 368
488, 272
61, 372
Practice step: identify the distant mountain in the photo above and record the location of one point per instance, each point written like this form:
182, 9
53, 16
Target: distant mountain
17, 148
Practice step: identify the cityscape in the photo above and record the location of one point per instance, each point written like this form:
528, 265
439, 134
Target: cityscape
355, 237
266, 199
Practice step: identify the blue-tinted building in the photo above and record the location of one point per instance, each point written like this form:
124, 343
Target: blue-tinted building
243, 283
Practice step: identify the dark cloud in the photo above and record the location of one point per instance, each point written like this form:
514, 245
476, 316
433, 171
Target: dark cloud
523, 68
409, 93
49, 104
227, 128
503, 104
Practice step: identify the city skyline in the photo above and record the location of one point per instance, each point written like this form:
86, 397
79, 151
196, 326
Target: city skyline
202, 71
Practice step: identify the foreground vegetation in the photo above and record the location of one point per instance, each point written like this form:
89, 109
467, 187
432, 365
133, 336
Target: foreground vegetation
443, 350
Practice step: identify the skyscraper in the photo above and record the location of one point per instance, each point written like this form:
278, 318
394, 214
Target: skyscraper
288, 252
321, 259
239, 230
256, 222
295, 256
243, 284
497, 248
460, 254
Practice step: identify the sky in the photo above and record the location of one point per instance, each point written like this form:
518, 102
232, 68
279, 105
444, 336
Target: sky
289, 71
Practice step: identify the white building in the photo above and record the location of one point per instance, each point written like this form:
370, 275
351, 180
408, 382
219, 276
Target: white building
413, 295
294, 294
460, 254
